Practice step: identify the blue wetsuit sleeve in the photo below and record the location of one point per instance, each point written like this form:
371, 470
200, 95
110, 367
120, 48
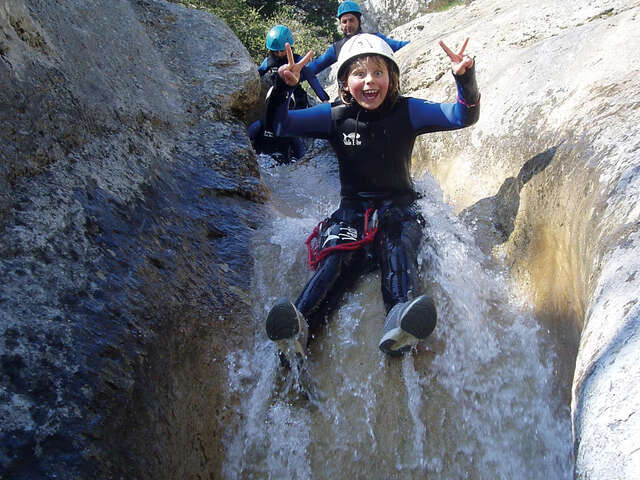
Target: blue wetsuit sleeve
262, 69
309, 76
325, 60
309, 122
426, 116
394, 44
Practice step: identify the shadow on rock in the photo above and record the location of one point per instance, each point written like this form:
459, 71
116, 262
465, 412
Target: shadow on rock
492, 219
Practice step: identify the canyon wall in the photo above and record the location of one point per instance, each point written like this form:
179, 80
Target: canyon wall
548, 179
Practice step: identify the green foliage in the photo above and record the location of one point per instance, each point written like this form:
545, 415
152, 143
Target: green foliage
313, 27
316, 12
306, 36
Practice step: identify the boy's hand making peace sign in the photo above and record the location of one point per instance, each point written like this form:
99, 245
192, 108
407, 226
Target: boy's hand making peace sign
290, 72
459, 62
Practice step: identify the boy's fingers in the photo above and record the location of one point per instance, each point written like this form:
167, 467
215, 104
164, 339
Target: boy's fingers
446, 49
306, 58
464, 45
287, 48
289, 78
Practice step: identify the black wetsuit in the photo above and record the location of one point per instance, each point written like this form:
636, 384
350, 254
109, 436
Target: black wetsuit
262, 140
374, 154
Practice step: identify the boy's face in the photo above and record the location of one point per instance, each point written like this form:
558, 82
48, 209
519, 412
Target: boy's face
349, 24
278, 54
368, 81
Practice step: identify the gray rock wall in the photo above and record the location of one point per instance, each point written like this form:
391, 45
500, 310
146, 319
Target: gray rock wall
128, 196
549, 180
385, 15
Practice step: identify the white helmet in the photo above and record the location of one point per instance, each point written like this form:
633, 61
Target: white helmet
364, 44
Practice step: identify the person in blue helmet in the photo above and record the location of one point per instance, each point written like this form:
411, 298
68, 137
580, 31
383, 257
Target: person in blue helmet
262, 140
378, 224
349, 16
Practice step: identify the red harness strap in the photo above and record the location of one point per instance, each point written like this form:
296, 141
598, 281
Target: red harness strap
315, 254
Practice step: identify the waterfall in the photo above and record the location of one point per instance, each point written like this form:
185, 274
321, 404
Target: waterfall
478, 399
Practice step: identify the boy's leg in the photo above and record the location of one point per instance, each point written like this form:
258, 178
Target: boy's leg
287, 322
336, 274
254, 130
298, 148
397, 245
410, 316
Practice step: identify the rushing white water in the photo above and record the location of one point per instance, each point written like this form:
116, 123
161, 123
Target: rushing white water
478, 399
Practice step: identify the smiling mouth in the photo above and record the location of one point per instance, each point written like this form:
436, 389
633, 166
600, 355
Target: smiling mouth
370, 94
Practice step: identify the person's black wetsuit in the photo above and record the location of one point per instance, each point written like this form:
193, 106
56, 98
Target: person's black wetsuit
261, 138
374, 155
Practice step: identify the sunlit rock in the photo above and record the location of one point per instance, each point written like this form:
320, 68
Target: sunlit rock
552, 78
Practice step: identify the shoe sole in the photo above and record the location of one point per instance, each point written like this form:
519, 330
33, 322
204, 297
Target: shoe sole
412, 329
283, 326
282, 321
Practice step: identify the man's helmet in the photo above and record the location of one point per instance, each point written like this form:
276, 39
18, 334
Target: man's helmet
277, 37
349, 7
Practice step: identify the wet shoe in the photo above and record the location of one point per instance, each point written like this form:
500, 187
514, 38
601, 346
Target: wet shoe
287, 327
407, 323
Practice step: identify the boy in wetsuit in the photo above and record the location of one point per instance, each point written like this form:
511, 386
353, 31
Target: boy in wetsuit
372, 132
261, 139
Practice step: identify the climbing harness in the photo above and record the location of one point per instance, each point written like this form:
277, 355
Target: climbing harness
343, 237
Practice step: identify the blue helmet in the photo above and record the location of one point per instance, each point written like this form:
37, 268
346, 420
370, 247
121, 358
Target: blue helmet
277, 37
349, 7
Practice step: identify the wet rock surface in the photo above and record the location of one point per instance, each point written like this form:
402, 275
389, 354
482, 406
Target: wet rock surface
128, 196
